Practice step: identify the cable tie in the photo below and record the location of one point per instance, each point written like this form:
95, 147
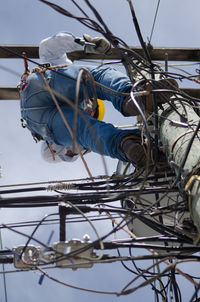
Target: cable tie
64, 186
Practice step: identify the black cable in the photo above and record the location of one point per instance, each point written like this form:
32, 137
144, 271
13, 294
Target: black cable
137, 27
175, 286
34, 231
195, 294
139, 271
135, 273
84, 20
159, 228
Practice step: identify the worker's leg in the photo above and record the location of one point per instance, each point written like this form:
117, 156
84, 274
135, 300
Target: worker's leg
65, 84
98, 136
118, 82
121, 83
114, 86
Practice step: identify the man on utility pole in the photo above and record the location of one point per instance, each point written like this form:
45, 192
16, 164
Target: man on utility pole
49, 94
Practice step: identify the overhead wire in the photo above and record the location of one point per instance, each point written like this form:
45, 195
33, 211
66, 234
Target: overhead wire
154, 21
3, 267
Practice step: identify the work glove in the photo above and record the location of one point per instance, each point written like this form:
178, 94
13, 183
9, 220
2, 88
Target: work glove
101, 45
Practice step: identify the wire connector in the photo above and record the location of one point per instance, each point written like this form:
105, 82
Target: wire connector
74, 254
26, 257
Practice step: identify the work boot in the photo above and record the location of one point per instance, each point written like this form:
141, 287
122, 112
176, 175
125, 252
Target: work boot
134, 151
162, 96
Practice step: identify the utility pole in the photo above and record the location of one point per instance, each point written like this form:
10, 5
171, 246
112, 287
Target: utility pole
180, 136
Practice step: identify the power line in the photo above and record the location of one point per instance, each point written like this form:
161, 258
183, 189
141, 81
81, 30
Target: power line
4, 276
154, 21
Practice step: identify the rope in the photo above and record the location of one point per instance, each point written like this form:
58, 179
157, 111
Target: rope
83, 75
41, 69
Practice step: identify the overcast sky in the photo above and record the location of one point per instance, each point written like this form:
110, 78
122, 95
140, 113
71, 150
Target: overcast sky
28, 22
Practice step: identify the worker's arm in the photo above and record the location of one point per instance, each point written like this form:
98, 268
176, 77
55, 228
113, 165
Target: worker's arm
97, 45
53, 153
53, 49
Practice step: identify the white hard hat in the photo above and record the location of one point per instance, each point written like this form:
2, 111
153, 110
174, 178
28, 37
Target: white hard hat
59, 153
53, 49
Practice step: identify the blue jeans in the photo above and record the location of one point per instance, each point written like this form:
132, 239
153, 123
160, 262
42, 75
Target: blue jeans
42, 117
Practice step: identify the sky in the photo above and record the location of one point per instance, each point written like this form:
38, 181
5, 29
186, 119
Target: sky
28, 22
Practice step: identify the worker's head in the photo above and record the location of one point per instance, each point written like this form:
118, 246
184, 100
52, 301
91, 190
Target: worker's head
53, 153
54, 49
